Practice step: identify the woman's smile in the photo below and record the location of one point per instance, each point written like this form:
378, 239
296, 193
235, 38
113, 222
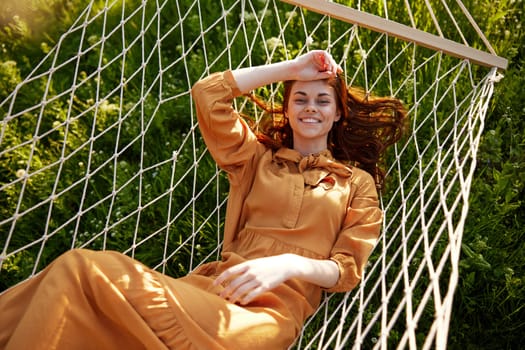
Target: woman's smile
310, 120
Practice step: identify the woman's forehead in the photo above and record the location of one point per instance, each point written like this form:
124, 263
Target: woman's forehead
313, 87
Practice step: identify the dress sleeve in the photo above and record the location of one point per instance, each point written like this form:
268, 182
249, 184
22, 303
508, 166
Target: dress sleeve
360, 232
229, 139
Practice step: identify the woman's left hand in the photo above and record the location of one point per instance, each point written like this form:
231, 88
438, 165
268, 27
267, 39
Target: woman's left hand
244, 282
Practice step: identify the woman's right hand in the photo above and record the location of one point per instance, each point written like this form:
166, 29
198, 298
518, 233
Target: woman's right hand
314, 65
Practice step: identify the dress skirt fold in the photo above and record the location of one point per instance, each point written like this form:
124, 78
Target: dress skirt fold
117, 303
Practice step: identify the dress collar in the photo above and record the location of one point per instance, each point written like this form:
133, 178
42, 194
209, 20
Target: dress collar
314, 167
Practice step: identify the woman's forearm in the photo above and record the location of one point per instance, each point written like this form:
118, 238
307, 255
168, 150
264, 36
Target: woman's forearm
314, 65
251, 78
324, 273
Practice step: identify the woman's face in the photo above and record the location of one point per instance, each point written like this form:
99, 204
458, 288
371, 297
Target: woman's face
311, 111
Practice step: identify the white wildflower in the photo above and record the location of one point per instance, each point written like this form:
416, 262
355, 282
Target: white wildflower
309, 41
361, 53
273, 43
20, 173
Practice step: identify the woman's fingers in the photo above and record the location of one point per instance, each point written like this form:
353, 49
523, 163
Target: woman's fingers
236, 282
317, 64
325, 62
239, 286
244, 282
244, 292
248, 297
230, 273
324, 58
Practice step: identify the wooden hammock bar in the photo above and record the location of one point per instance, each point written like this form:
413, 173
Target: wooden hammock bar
401, 31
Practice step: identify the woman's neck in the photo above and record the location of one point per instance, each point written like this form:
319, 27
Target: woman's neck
309, 148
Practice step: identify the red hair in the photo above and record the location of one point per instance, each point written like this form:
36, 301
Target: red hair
367, 127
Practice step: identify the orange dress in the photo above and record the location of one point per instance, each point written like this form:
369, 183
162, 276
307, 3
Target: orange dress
279, 202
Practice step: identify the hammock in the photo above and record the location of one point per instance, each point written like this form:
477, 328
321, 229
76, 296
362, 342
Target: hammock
110, 156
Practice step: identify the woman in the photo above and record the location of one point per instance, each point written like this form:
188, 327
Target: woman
298, 221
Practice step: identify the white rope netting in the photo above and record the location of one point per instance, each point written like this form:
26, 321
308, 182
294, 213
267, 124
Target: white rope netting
110, 156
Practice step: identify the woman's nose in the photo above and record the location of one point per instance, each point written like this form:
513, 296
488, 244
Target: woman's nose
310, 107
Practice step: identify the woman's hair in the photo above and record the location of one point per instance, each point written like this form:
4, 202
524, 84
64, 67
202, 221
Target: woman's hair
367, 127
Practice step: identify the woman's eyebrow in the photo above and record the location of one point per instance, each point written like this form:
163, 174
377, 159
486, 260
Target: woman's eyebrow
321, 94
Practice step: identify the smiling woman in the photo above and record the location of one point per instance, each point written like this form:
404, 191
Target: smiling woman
277, 257
357, 127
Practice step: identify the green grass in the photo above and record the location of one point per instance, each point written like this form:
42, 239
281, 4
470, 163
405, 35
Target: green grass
488, 310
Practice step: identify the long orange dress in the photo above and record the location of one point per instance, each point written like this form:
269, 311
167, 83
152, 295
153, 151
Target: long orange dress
280, 202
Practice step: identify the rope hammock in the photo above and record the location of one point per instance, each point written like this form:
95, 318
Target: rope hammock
110, 157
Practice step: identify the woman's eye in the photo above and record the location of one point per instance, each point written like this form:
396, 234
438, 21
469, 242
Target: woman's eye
324, 102
300, 100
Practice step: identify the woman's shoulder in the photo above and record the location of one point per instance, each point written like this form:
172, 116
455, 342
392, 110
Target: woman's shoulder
362, 179
359, 173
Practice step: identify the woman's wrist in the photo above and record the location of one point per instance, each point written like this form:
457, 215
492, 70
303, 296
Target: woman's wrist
324, 273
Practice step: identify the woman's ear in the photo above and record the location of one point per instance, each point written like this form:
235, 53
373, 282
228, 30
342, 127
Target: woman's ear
337, 116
